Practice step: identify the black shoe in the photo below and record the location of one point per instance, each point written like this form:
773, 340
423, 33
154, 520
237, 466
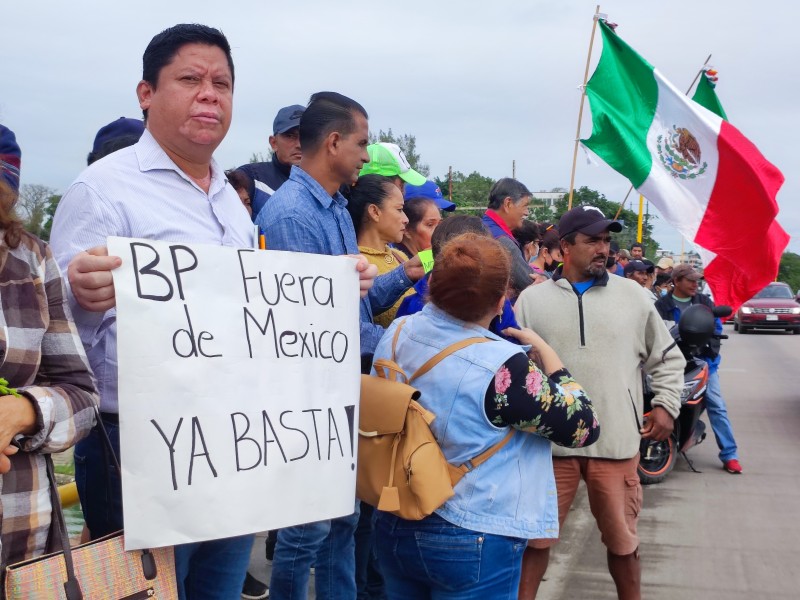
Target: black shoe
253, 589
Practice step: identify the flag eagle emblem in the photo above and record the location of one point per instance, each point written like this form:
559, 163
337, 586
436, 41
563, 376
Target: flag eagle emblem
679, 152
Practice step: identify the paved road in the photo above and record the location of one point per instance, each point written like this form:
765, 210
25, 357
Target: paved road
714, 535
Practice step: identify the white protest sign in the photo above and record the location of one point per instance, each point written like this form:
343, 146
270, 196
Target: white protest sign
238, 389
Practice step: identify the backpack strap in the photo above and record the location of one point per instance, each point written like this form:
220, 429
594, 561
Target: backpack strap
389, 369
456, 473
437, 358
396, 337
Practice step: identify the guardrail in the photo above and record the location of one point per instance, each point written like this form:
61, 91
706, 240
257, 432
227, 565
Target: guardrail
68, 494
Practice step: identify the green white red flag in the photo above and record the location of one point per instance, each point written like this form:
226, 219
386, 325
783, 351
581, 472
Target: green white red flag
706, 179
705, 94
769, 248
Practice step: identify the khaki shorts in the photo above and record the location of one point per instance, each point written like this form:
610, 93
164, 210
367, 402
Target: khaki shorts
615, 497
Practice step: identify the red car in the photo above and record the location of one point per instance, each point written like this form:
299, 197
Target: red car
774, 307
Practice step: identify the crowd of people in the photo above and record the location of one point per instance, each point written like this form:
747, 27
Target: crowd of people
561, 377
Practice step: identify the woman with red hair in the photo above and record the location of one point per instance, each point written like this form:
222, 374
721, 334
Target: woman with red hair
472, 546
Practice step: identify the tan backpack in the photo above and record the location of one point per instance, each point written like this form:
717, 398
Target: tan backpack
401, 468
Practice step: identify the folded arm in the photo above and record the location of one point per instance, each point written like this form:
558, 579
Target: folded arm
556, 407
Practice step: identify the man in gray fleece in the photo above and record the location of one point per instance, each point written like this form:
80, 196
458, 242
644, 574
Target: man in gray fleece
605, 331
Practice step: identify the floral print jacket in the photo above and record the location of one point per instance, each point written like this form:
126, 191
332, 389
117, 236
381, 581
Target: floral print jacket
557, 408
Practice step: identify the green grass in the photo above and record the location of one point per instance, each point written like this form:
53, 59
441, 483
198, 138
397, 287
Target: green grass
65, 469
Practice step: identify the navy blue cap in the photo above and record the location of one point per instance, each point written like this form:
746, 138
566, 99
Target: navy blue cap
287, 118
589, 220
638, 265
10, 158
116, 129
429, 190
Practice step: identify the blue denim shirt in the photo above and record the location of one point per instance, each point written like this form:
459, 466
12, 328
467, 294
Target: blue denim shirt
302, 217
514, 492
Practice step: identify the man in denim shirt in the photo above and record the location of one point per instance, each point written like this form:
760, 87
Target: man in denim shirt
308, 214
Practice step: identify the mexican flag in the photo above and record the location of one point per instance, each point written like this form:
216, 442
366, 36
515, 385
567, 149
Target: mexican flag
705, 95
706, 179
772, 244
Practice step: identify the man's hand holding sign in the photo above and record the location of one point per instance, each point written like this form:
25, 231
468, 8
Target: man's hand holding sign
238, 377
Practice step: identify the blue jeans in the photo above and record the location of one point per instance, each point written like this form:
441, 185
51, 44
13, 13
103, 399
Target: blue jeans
329, 547
433, 559
99, 484
213, 570
718, 417
369, 581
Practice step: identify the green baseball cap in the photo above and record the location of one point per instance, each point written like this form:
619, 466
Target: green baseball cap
388, 160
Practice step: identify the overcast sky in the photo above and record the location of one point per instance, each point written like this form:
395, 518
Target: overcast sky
480, 84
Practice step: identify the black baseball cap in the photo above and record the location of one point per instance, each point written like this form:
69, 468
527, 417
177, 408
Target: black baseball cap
586, 219
638, 265
287, 118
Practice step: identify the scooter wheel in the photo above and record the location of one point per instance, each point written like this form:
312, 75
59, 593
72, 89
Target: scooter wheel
656, 460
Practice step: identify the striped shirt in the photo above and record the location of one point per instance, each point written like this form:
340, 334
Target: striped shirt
139, 192
41, 355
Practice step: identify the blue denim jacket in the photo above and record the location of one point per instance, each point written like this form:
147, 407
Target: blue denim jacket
514, 492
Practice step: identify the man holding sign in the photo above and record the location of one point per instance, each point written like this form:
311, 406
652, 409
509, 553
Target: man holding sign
166, 187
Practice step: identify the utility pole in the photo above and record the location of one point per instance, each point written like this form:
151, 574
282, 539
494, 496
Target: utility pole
450, 183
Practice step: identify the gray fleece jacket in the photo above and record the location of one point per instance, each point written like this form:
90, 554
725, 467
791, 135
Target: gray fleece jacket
604, 337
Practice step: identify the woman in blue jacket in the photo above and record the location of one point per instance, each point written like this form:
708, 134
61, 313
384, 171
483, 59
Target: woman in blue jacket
472, 546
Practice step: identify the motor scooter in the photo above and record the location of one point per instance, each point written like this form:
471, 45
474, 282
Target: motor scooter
693, 331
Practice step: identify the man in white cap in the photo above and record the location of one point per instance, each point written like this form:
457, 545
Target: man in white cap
664, 265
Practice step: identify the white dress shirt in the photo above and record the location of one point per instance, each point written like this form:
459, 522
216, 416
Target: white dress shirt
139, 192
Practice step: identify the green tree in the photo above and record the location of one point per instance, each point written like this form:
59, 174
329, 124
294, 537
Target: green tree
540, 213
586, 196
34, 200
50, 211
257, 157
789, 270
407, 143
468, 190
